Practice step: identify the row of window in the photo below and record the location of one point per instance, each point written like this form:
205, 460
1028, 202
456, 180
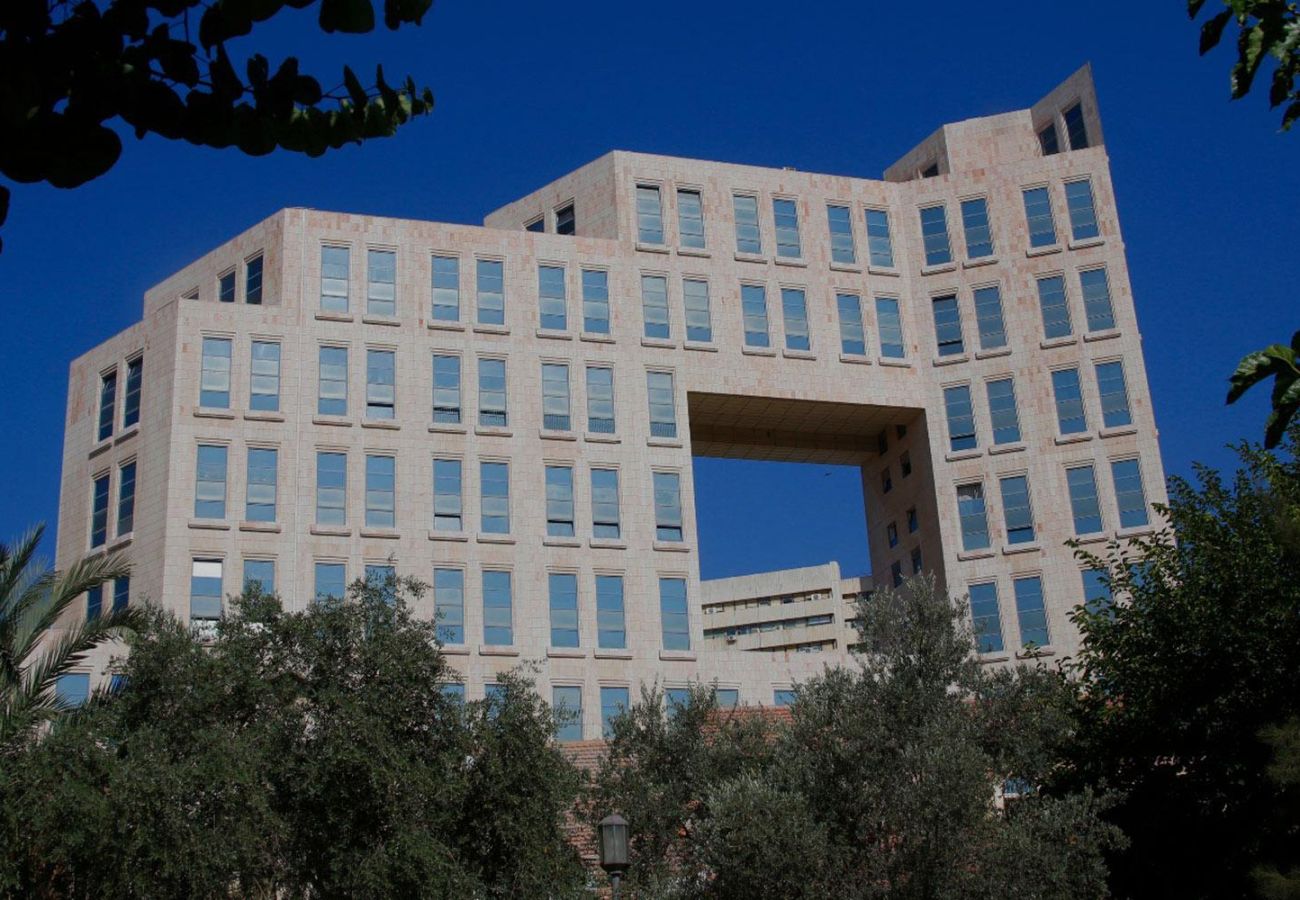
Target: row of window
100, 497
794, 624
130, 400
228, 283
1031, 612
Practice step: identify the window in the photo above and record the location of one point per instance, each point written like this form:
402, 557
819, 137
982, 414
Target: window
947, 326
551, 297
961, 418
383, 579
1071, 416
446, 389
494, 497
491, 286
668, 506
690, 219
613, 703
381, 283
1056, 311
1083, 213
988, 317
331, 488
649, 215
753, 304
559, 501
840, 221
492, 393
891, 533
748, 237
210, 482
447, 509
335, 265
205, 589
567, 700
611, 632
555, 397
107, 403
331, 581
886, 481
1096, 299
498, 618
673, 616
446, 288
1016, 509
913, 521
675, 699
853, 339
259, 500
663, 417
536, 226
784, 697
451, 690
699, 319
1075, 130
563, 587
381, 384
916, 561
604, 504
934, 235
880, 248
974, 517
99, 510
1031, 612
786, 215
72, 689
381, 491
259, 573
890, 325
975, 222
1002, 411
264, 378
896, 573
1096, 590
333, 398
253, 280
566, 221
449, 605
1114, 395
595, 301
214, 383
226, 287
905, 463
125, 499
985, 618
121, 593
1082, 482
1129, 493
794, 309
1038, 215
1047, 140
134, 382
600, 400
654, 306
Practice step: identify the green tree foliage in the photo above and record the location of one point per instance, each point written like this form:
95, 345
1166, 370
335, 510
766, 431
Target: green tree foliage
70, 70
304, 754
1282, 364
1265, 28
1284, 772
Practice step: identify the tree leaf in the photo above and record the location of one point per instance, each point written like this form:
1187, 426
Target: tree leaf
348, 16
1212, 31
1194, 8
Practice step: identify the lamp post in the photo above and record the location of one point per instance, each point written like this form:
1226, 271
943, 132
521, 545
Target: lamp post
612, 838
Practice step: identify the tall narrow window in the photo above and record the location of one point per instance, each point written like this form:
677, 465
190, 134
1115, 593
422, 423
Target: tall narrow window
988, 316
491, 287
1070, 414
1085, 508
381, 384
494, 497
985, 618
595, 301
668, 506
663, 414
335, 266
559, 501
961, 418
563, 590
259, 574
880, 247
794, 310
551, 297
699, 318
333, 397
205, 590
753, 304
264, 377
566, 220
840, 221
131, 401
446, 389
1047, 140
748, 237
600, 400
613, 703
786, 215
604, 504
381, 283
1114, 395
975, 222
1038, 215
974, 517
567, 701
492, 393
210, 482
1096, 299
214, 383
449, 605
331, 488
126, 499
649, 215
382, 578
447, 505
226, 287
1031, 611
498, 614
890, 325
1055, 309
1083, 213
1075, 128
611, 628
381, 491
934, 236
331, 581
654, 306
1130, 495
260, 492
690, 219
253, 280
108, 403
555, 397
446, 288
947, 326
853, 338
1016, 509
673, 616
1096, 590
99, 510
1002, 411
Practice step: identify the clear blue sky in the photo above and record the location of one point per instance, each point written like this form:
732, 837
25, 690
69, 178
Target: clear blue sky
1209, 192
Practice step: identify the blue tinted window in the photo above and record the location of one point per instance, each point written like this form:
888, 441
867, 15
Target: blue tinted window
840, 222
985, 618
552, 298
494, 497
1084, 506
947, 326
1075, 128
613, 703
559, 501
890, 325
446, 389
879, 245
214, 380
107, 403
668, 506
491, 292
566, 701
449, 605
492, 393
447, 506
1129, 493
604, 504
654, 307
649, 215
699, 317
253, 280
1114, 394
663, 415
1016, 509
1055, 309
121, 593
853, 339
794, 308
1083, 214
331, 488
72, 689
673, 615
1038, 216
205, 589
748, 238
974, 518
1002, 411
690, 219
961, 418
381, 492
727, 698
331, 581
381, 283
381, 384
988, 316
1070, 413
94, 602
99, 508
210, 483
786, 215
264, 377
260, 572
131, 402
600, 400
753, 304
555, 397
610, 621
333, 398
934, 235
1096, 299
595, 301
334, 275
498, 609
784, 697
1096, 590
446, 288
1031, 612
975, 222
259, 505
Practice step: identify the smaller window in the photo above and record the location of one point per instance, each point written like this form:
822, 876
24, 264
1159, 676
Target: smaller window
567, 701
72, 689
1016, 509
1114, 395
891, 533
654, 306
253, 280
753, 302
226, 287
126, 499
690, 219
559, 502
1048, 141
1130, 495
381, 384
1071, 417
1038, 215
600, 400
699, 319
604, 504
840, 221
134, 383
595, 301
748, 237
536, 226
784, 697
447, 503
649, 215
934, 236
1002, 411
264, 377
1083, 213
973, 516
494, 497
381, 283
446, 288
99, 509
1075, 128
853, 339
985, 618
565, 220
1031, 612
890, 325
947, 326
551, 298
961, 418
880, 247
975, 222
668, 507
794, 310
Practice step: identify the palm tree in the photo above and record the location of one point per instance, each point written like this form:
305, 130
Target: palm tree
33, 598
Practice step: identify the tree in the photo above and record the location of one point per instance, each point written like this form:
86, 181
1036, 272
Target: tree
1265, 28
70, 70
32, 601
1282, 364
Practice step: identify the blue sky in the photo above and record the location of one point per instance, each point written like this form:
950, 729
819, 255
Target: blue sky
1209, 192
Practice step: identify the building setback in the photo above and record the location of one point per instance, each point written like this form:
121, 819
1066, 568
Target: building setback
510, 412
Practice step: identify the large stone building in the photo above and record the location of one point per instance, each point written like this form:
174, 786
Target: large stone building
510, 412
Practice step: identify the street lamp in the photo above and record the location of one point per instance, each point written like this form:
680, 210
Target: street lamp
612, 836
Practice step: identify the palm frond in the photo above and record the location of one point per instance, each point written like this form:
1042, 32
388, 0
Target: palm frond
15, 562
64, 590
68, 649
